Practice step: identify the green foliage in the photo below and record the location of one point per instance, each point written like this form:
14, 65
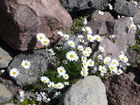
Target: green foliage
77, 26
28, 102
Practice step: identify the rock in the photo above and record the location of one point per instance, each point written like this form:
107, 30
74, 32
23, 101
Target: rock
123, 90
39, 64
110, 48
5, 95
21, 20
137, 18
9, 84
75, 6
89, 91
134, 57
125, 8
5, 58
125, 35
98, 23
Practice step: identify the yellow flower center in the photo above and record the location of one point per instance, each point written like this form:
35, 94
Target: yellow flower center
112, 68
14, 73
72, 56
61, 71
123, 59
40, 37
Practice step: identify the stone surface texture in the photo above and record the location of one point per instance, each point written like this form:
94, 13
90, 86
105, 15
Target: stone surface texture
21, 20
89, 91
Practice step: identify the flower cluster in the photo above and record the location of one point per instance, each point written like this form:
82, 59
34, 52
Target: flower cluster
75, 60
15, 72
43, 39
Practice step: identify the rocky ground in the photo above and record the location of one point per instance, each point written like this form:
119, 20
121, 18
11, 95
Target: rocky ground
21, 20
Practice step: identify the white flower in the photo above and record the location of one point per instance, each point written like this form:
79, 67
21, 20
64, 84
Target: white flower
101, 49
59, 85
90, 63
45, 79
87, 29
119, 72
85, 21
113, 68
40, 36
119, 16
66, 76
51, 85
61, 71
80, 36
14, 72
110, 6
88, 49
102, 69
84, 73
100, 12
90, 38
60, 33
26, 64
100, 57
80, 48
115, 62
66, 36
85, 69
72, 56
71, 43
83, 58
45, 42
85, 63
21, 93
86, 54
133, 26
97, 38
48, 99
107, 60
123, 58
66, 83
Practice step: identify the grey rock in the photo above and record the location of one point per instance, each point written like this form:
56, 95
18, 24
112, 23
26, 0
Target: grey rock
5, 94
125, 8
39, 64
98, 22
125, 36
74, 6
5, 58
137, 18
89, 91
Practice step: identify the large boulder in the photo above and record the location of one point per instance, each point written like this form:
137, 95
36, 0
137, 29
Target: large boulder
21, 20
5, 94
75, 6
39, 64
125, 8
125, 34
123, 90
89, 91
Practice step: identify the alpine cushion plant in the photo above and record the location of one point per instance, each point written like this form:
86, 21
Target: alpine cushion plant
72, 63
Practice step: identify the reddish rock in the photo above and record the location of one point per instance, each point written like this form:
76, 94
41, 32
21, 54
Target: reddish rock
123, 90
110, 48
21, 20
